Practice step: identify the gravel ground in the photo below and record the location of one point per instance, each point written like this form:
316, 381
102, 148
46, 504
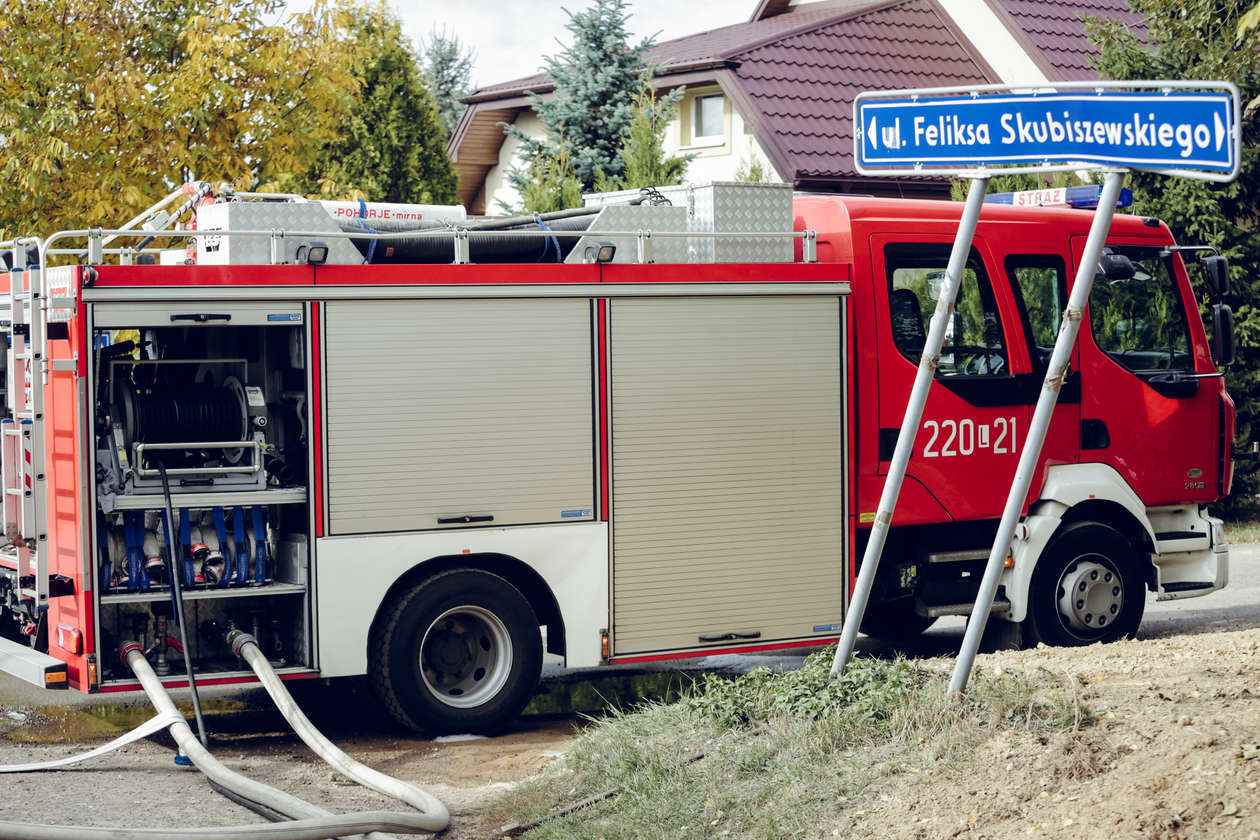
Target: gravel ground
1168, 758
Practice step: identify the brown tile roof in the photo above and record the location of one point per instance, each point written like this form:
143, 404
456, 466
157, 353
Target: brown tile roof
803, 85
1057, 30
800, 71
714, 45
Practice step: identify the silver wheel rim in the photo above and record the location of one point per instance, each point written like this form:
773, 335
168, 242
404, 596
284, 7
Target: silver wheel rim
465, 656
1091, 595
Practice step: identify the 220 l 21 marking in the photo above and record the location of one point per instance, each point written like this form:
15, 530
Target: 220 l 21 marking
964, 437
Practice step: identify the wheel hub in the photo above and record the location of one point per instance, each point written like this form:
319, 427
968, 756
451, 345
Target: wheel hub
1091, 596
465, 656
450, 649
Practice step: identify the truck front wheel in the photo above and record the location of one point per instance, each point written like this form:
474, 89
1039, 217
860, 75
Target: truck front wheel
458, 652
1086, 588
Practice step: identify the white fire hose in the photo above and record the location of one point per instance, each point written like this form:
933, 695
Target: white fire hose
246, 647
300, 819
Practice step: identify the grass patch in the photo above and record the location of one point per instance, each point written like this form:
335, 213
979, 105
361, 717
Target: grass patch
1244, 531
820, 744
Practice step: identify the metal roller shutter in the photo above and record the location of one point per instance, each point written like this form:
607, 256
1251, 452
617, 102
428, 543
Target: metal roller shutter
728, 507
446, 408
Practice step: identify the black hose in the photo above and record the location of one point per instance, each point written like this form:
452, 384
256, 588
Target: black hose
483, 247
174, 413
177, 589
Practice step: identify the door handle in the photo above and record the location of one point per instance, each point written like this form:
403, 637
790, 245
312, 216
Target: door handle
202, 317
732, 637
465, 518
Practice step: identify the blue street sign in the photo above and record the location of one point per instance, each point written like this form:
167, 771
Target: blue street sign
1179, 129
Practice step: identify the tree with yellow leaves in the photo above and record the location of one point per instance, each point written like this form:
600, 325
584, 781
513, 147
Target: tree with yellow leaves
106, 105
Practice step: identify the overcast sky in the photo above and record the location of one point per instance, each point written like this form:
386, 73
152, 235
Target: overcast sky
511, 37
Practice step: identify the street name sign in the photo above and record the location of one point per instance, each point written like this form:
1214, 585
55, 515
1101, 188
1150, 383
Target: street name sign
1169, 129
1184, 128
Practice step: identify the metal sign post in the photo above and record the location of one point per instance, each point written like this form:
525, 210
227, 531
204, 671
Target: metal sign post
1183, 128
1057, 372
910, 423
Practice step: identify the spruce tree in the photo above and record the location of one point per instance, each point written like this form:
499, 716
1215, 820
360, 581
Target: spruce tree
448, 71
596, 80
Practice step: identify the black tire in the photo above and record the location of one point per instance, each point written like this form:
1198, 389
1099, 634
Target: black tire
458, 652
1100, 567
895, 621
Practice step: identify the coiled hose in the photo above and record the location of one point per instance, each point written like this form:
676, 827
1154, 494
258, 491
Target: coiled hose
484, 247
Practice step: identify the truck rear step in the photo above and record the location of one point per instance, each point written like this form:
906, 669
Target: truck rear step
32, 666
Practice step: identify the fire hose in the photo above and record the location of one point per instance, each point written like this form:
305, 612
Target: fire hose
245, 646
301, 819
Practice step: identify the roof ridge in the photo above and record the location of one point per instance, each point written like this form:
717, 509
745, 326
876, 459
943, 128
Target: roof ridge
848, 14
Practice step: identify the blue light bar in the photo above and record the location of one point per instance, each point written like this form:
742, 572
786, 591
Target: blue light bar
1085, 198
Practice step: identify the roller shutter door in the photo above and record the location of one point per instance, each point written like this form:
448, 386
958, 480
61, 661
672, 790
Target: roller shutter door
728, 470
444, 408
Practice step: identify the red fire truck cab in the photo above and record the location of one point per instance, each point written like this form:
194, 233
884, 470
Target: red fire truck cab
618, 445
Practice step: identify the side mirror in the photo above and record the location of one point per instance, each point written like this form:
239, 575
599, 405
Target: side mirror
1216, 275
1223, 346
1116, 267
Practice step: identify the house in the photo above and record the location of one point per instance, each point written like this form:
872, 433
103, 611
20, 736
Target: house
777, 90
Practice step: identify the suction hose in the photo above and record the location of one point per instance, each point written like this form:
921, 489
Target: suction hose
435, 813
311, 823
252, 794
484, 247
275, 801
332, 825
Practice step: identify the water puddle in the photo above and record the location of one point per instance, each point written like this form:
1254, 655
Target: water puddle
75, 724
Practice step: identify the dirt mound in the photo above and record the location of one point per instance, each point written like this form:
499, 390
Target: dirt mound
1171, 753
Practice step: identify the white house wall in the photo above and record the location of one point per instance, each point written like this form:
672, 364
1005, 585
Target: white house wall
978, 22
712, 163
497, 187
720, 163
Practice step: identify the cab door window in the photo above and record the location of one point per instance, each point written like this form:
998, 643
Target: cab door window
974, 346
1140, 322
1039, 283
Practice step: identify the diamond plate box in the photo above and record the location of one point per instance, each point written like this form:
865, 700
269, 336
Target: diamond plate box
266, 215
726, 207
624, 218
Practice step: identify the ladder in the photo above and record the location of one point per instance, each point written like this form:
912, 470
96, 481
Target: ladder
22, 432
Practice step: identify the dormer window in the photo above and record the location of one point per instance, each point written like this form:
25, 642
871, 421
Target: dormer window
705, 121
708, 120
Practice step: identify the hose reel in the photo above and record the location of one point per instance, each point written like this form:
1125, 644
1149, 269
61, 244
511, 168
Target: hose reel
207, 435
186, 414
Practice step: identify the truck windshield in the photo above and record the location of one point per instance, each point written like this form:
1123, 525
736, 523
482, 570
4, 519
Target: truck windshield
1140, 322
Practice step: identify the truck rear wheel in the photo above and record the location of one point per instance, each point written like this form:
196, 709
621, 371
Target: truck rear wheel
1086, 588
459, 652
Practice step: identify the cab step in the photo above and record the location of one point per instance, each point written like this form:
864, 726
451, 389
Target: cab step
938, 610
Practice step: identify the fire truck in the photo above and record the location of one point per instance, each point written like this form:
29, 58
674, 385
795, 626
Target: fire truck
392, 441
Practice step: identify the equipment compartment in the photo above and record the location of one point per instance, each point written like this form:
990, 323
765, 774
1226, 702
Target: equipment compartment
201, 410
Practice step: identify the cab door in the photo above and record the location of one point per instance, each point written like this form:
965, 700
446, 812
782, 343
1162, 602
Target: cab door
978, 409
1036, 276
1148, 378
